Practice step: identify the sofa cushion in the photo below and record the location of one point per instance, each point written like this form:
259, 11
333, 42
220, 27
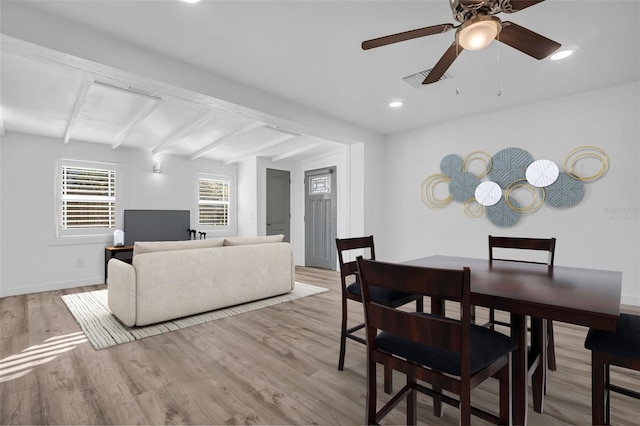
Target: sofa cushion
140, 247
243, 241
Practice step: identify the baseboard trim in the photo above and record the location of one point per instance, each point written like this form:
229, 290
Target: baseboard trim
39, 288
630, 300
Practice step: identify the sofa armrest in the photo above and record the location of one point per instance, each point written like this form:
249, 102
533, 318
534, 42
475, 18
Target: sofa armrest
121, 288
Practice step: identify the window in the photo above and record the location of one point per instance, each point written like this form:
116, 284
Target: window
213, 202
87, 198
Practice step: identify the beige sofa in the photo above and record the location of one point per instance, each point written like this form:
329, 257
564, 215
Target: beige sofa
173, 279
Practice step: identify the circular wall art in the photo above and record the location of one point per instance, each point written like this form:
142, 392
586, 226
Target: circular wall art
537, 195
477, 156
451, 165
564, 192
500, 214
542, 173
488, 193
463, 185
508, 165
473, 209
511, 183
428, 192
581, 153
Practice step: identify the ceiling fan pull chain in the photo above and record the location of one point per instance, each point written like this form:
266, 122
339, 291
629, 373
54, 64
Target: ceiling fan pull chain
499, 92
457, 73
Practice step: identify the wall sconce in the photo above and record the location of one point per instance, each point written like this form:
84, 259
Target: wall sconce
157, 167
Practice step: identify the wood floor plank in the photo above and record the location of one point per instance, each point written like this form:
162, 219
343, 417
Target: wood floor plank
276, 365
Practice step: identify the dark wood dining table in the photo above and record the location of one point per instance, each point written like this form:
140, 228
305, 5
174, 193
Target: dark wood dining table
581, 296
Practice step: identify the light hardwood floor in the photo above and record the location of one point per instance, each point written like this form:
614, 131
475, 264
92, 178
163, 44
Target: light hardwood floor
277, 365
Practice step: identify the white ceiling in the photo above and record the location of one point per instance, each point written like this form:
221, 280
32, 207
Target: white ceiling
307, 52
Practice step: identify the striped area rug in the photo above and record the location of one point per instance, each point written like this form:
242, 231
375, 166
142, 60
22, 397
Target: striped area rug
104, 330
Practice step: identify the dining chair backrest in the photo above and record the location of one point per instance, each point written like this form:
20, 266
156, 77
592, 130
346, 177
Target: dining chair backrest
362, 244
428, 330
517, 243
431, 348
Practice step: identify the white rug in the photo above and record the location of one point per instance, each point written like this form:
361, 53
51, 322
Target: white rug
104, 330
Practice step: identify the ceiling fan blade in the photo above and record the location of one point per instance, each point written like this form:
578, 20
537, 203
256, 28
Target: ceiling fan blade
526, 41
407, 35
444, 63
517, 5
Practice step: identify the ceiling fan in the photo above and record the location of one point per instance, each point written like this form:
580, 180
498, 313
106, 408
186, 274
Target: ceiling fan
478, 27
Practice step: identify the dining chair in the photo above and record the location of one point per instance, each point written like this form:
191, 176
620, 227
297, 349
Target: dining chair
620, 348
522, 245
352, 291
450, 354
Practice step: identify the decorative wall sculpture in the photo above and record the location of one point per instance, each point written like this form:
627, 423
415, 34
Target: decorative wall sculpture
491, 191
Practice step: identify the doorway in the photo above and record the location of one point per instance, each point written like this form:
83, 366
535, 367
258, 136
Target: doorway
279, 203
321, 218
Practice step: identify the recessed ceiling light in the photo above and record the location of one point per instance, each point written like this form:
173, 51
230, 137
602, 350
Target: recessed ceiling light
395, 104
561, 54
191, 1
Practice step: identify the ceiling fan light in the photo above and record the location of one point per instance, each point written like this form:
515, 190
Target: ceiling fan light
479, 32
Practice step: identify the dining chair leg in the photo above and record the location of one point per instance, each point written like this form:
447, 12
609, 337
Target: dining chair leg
388, 380
343, 335
465, 403
492, 319
538, 375
598, 392
607, 394
412, 402
538, 349
505, 394
551, 347
370, 414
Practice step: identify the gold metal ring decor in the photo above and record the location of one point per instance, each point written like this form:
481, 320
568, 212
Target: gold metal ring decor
473, 209
582, 152
477, 156
490, 193
537, 193
427, 191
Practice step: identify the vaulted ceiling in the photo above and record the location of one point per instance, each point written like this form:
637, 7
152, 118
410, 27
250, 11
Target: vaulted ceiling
306, 53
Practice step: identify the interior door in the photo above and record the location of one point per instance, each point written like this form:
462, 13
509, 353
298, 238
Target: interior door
279, 203
321, 218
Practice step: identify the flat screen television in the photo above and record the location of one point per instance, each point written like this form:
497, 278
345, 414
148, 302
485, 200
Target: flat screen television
156, 225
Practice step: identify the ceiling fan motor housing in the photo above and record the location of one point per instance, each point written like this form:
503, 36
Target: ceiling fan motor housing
463, 10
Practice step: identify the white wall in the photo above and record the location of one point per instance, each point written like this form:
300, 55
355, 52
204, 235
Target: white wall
247, 202
29, 261
588, 234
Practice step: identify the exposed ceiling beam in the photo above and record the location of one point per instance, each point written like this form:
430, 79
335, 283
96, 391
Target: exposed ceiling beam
297, 151
184, 131
225, 139
256, 150
77, 106
144, 113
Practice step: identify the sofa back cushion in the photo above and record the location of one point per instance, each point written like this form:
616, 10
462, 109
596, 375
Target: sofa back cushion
140, 247
243, 241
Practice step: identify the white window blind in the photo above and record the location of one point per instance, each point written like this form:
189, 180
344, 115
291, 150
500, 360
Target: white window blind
213, 202
88, 198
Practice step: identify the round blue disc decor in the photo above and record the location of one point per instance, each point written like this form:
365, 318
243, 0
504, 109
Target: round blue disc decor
564, 192
509, 165
500, 214
451, 165
462, 186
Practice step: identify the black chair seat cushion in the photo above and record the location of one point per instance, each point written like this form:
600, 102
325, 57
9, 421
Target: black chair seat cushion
624, 342
382, 295
486, 347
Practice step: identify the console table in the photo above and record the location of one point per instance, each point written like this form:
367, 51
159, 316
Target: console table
113, 251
